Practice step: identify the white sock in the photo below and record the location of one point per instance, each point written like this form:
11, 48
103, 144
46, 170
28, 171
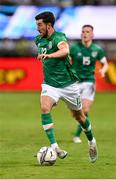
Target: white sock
54, 146
93, 141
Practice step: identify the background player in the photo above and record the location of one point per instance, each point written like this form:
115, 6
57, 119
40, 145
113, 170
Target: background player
84, 56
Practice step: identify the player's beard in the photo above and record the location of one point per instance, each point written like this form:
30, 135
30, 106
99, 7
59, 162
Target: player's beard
46, 33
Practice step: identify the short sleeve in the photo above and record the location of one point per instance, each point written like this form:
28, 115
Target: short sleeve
60, 38
101, 53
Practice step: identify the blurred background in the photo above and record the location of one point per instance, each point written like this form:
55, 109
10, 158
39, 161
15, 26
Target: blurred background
19, 69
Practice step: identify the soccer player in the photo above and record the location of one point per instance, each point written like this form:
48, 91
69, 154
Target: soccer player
84, 56
60, 82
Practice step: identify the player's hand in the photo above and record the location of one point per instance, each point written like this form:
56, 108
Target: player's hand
102, 72
43, 56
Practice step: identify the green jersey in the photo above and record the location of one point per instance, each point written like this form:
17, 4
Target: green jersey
58, 72
84, 60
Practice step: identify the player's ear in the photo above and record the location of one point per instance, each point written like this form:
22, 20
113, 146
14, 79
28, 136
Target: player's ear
48, 25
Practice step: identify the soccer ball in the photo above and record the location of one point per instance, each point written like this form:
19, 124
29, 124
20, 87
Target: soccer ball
46, 156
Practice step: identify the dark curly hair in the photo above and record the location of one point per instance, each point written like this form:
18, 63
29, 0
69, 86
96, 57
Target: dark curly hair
48, 17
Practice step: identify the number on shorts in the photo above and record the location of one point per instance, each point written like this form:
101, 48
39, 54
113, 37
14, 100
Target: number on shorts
79, 102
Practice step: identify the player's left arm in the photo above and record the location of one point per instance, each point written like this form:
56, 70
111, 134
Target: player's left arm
63, 50
104, 68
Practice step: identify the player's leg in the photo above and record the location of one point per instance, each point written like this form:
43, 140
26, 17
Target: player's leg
47, 122
86, 126
87, 91
48, 98
84, 122
86, 104
72, 98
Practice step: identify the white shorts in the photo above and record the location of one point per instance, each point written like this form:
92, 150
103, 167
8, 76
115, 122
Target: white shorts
70, 95
87, 90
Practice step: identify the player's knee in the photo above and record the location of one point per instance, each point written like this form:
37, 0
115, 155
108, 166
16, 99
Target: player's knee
45, 109
85, 109
79, 116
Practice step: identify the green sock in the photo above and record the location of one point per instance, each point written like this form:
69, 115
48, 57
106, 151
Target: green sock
86, 126
78, 131
79, 128
47, 124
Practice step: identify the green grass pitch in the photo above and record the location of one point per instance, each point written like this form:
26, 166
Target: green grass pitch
21, 136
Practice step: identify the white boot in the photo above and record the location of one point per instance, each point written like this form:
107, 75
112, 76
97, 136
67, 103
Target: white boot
93, 155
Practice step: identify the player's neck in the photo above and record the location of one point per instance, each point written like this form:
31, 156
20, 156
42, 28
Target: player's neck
51, 32
87, 44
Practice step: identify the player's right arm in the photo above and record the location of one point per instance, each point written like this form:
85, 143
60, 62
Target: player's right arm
103, 60
63, 50
104, 68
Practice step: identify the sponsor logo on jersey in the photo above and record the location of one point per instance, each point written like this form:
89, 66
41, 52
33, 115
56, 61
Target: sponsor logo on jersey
94, 54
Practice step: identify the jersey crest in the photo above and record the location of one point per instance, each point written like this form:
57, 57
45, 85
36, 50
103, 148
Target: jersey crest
79, 54
94, 54
50, 45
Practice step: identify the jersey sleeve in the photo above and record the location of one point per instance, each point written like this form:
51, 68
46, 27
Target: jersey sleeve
37, 40
101, 54
72, 49
60, 38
